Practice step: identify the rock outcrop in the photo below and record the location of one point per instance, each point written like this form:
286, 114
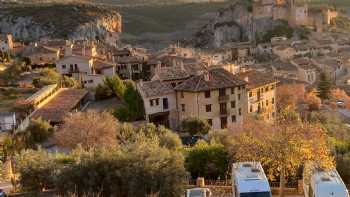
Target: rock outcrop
61, 21
232, 24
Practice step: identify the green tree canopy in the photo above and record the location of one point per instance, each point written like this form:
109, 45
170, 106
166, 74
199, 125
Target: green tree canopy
38, 131
144, 163
195, 126
207, 160
324, 87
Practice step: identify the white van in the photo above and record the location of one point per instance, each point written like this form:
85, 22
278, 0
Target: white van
325, 184
249, 180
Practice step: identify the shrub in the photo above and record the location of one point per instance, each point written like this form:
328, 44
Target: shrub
207, 160
38, 131
195, 126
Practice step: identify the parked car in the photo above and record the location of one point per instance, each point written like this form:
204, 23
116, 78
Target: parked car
340, 104
198, 192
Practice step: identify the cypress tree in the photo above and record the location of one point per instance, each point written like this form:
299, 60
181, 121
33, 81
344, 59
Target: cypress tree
324, 87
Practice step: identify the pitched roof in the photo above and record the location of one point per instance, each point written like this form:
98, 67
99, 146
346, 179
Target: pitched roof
172, 73
256, 79
155, 88
218, 78
304, 63
31, 50
65, 101
100, 64
280, 65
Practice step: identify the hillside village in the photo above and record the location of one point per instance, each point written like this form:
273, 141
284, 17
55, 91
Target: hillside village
199, 94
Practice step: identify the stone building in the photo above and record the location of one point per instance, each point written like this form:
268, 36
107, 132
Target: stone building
217, 96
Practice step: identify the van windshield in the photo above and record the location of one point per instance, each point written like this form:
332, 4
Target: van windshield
256, 194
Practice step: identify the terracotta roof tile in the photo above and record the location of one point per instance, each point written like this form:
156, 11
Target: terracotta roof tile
218, 78
64, 102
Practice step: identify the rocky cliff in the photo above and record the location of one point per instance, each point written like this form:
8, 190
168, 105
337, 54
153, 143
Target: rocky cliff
60, 21
232, 24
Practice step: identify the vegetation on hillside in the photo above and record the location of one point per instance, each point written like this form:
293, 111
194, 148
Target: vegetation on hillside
150, 152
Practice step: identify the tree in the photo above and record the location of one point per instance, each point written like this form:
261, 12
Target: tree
89, 129
324, 87
116, 85
283, 146
47, 77
133, 100
38, 131
139, 166
313, 102
207, 160
12, 73
134, 109
195, 126
102, 92
339, 136
290, 95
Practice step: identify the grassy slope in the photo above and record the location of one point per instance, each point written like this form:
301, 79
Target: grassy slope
162, 19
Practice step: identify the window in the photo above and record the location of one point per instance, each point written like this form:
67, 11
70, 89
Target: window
273, 101
232, 90
251, 108
207, 94
223, 121
173, 85
222, 92
210, 122
151, 102
273, 114
240, 111
250, 94
267, 102
233, 104
239, 96
233, 118
63, 66
208, 108
239, 87
183, 107
272, 87
223, 109
165, 103
182, 94
266, 89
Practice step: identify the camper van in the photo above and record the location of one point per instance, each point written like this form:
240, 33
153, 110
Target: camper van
325, 184
249, 180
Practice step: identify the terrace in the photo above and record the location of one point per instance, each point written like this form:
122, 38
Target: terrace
66, 100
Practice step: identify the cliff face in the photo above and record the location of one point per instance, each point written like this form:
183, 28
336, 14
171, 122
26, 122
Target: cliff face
232, 24
60, 21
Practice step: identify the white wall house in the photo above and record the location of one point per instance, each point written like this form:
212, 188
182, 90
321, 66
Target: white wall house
75, 64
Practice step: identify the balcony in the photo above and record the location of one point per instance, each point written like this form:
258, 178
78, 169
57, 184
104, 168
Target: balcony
224, 98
